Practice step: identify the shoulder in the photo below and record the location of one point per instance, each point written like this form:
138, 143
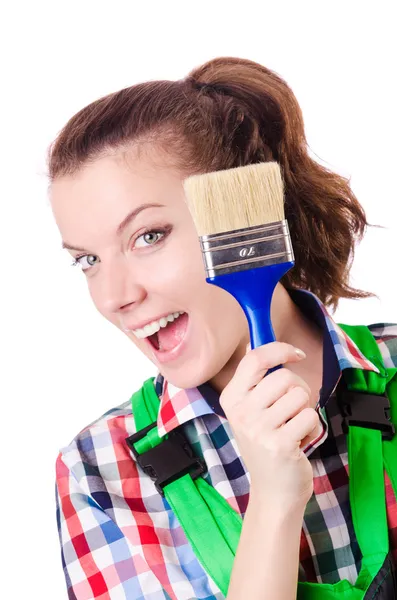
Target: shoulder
99, 444
100, 449
385, 335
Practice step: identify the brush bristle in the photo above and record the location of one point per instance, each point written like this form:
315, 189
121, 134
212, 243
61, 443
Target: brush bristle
236, 198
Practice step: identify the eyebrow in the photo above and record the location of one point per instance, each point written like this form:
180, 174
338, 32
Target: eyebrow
126, 221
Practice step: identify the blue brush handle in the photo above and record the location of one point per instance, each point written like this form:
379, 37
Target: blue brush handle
253, 290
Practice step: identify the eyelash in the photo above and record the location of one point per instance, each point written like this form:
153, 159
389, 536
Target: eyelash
162, 230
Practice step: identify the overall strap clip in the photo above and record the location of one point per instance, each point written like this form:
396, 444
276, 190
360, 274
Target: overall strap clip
169, 460
365, 410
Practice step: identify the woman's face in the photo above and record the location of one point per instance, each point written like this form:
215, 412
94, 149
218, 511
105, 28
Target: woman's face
151, 267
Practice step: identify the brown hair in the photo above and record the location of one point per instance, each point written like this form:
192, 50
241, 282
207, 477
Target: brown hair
227, 113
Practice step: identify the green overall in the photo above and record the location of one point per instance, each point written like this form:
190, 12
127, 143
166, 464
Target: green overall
213, 528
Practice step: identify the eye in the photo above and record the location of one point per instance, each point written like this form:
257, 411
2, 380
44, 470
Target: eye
149, 238
90, 258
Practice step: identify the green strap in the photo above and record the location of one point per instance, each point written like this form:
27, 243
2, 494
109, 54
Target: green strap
195, 516
213, 528
367, 493
367, 460
366, 479
365, 380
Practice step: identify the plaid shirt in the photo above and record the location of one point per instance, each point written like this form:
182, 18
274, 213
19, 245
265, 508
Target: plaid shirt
119, 538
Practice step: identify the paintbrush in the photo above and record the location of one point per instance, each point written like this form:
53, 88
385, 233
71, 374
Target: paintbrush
244, 237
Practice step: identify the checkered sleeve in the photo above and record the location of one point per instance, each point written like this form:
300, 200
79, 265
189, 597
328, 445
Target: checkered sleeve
98, 561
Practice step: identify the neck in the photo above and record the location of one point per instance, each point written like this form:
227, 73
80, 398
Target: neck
292, 327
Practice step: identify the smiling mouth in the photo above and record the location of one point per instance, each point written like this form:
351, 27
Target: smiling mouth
169, 337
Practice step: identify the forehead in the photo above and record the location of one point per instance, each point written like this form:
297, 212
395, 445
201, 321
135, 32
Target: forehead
102, 192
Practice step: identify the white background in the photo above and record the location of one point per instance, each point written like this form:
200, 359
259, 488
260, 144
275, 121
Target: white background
62, 364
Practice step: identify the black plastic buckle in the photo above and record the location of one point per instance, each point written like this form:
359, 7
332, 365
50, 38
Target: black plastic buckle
170, 460
365, 410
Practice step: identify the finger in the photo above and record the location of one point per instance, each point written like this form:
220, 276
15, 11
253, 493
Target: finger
271, 388
313, 436
304, 424
255, 364
287, 407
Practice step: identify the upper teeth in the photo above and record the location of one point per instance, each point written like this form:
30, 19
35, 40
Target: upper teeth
155, 326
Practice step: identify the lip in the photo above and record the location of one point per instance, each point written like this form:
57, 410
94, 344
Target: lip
170, 355
131, 328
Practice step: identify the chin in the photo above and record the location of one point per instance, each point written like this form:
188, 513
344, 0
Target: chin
185, 378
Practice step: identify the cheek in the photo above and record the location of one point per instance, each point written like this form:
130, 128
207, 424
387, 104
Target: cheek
181, 271
97, 300
225, 315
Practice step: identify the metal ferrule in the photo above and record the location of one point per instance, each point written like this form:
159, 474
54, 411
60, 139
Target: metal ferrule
246, 248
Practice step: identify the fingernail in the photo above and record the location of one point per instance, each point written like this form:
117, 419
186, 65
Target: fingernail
248, 348
300, 353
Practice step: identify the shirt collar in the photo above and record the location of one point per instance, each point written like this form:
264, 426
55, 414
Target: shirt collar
177, 406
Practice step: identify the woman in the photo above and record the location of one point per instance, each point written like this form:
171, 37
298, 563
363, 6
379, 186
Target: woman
273, 447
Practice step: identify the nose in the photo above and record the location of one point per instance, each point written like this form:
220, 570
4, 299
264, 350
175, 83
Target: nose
119, 288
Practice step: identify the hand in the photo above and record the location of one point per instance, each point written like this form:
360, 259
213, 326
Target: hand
272, 421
